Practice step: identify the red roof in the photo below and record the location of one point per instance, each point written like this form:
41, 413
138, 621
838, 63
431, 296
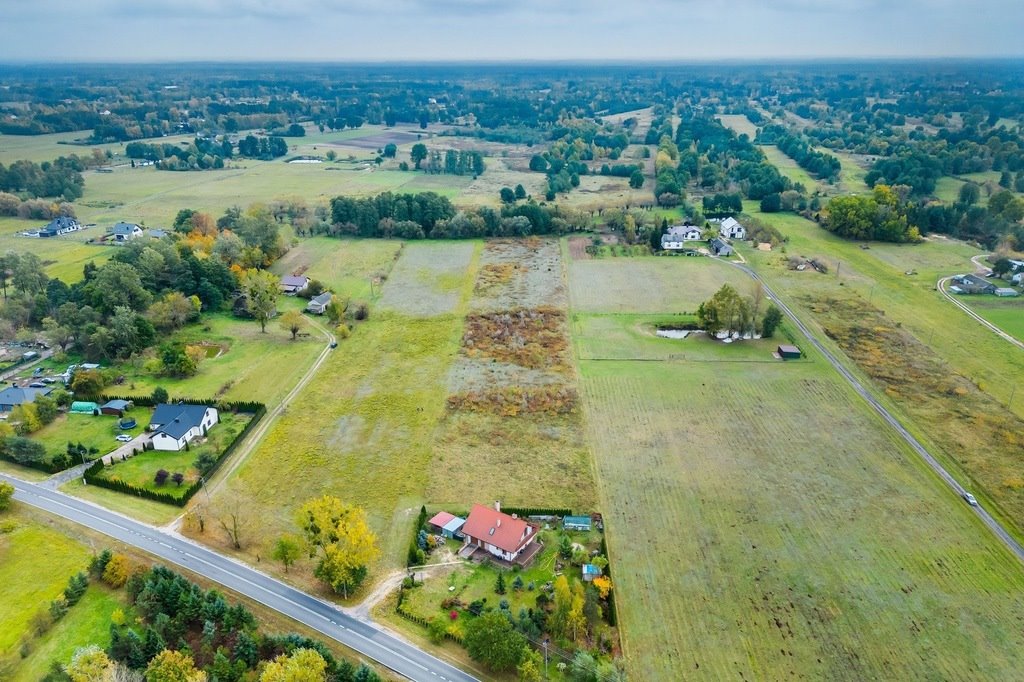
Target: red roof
501, 530
440, 519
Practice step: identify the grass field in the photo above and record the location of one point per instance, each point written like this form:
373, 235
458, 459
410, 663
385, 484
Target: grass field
88, 622
948, 189
430, 278
789, 168
62, 257
774, 483
35, 564
1005, 313
252, 366
346, 266
851, 177
648, 284
739, 123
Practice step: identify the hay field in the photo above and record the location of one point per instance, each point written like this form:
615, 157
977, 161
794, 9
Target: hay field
429, 278
764, 525
739, 124
346, 266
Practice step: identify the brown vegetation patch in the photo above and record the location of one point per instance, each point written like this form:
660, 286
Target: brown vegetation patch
533, 338
494, 275
958, 416
511, 401
578, 248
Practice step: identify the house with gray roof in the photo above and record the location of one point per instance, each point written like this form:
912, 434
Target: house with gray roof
124, 232
59, 226
318, 304
175, 424
719, 247
12, 396
293, 284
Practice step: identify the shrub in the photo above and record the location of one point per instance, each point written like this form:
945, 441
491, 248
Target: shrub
161, 477
118, 570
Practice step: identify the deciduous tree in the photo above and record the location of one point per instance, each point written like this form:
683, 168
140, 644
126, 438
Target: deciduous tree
340, 535
493, 641
287, 550
292, 321
260, 289
303, 665
6, 493
173, 666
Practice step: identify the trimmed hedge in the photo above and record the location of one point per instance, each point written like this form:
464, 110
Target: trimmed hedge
258, 410
45, 467
536, 511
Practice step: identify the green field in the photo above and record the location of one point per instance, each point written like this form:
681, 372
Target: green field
346, 266
948, 189
1005, 313
789, 167
88, 622
35, 564
739, 123
851, 177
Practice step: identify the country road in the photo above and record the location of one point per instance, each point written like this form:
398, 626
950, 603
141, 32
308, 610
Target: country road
995, 526
327, 619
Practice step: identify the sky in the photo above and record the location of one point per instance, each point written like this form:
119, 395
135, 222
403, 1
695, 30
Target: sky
504, 30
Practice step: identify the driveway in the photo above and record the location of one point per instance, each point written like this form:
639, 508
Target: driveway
125, 449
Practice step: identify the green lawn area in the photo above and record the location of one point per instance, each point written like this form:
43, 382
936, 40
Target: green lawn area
39, 148
739, 123
1005, 313
62, 257
141, 469
91, 431
346, 266
948, 189
851, 177
35, 564
88, 622
252, 366
788, 167
147, 511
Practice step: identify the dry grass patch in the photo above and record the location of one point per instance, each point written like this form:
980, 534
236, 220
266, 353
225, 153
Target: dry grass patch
966, 423
512, 401
534, 339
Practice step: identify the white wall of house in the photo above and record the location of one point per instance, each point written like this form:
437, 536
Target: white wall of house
161, 441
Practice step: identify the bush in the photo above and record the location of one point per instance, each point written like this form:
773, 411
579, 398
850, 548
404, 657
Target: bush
161, 477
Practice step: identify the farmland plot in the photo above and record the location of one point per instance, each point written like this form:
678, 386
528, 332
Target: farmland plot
648, 285
766, 526
429, 277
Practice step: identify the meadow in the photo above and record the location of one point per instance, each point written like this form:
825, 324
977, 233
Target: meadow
1005, 313
790, 169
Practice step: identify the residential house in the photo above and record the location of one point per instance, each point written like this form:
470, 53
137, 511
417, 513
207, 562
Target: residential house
12, 396
677, 236
293, 284
59, 226
731, 229
447, 525
156, 233
174, 425
125, 232
719, 247
972, 284
318, 304
506, 537
1016, 265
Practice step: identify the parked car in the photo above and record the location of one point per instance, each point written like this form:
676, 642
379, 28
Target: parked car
124, 438
970, 499
37, 384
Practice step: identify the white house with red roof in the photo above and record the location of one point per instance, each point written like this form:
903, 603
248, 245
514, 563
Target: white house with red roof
506, 537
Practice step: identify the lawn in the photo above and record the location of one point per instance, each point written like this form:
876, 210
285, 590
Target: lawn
948, 189
141, 470
252, 366
851, 177
1005, 313
91, 431
648, 284
739, 124
346, 266
35, 564
88, 622
63, 257
430, 278
804, 539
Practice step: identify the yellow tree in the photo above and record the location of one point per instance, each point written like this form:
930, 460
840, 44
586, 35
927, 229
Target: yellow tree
340, 535
576, 620
173, 666
304, 665
293, 321
89, 664
260, 289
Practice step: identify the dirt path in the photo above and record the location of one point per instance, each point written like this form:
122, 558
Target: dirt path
390, 583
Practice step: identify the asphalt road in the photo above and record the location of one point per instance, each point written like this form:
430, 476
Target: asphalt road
368, 640
915, 444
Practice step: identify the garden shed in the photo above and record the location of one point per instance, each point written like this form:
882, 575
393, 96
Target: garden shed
576, 523
788, 352
116, 407
84, 407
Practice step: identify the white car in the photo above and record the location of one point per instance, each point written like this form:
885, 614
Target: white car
124, 438
970, 499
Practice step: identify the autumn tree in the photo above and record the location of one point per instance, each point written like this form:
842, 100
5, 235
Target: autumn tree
260, 290
287, 550
726, 311
173, 666
339, 534
302, 665
292, 321
6, 493
233, 514
89, 664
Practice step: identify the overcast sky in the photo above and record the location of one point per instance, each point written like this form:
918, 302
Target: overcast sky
467, 30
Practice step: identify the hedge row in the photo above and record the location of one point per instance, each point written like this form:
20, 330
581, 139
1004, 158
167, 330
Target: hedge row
46, 467
536, 511
258, 411
612, 615
222, 405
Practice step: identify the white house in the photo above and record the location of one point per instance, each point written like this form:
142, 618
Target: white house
731, 229
293, 284
678, 235
318, 304
124, 232
174, 425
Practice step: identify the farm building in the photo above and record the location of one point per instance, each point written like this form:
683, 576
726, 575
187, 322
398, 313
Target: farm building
503, 536
731, 229
1006, 291
719, 247
13, 396
972, 284
447, 525
590, 571
173, 426
293, 284
677, 236
116, 407
788, 352
576, 523
318, 304
84, 407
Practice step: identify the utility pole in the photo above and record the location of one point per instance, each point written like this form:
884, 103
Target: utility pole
546, 640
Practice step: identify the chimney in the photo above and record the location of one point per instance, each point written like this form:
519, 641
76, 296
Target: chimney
497, 506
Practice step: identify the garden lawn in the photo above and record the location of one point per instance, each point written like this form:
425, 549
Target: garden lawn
87, 622
35, 564
141, 470
97, 432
